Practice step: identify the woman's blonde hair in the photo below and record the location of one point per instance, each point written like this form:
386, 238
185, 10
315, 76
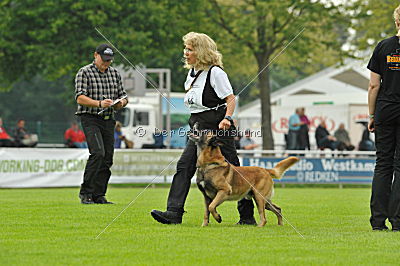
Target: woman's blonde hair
396, 16
205, 49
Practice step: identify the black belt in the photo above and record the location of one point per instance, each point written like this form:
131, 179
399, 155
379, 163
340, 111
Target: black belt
102, 117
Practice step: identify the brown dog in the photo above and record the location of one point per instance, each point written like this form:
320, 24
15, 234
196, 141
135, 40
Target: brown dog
219, 180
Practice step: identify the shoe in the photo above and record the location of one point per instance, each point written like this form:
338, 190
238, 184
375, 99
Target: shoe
248, 221
102, 200
380, 228
167, 217
395, 229
86, 199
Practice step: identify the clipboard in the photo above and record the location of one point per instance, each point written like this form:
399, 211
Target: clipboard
114, 103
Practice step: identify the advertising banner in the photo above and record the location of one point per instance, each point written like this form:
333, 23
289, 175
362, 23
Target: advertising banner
322, 170
64, 167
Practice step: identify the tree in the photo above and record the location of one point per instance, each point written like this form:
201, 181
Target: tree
374, 22
54, 38
266, 28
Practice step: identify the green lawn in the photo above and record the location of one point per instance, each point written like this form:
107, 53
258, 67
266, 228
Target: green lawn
50, 226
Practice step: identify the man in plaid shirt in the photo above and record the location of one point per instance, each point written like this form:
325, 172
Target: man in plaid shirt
97, 86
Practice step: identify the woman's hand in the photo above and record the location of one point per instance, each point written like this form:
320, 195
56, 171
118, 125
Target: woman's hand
224, 124
371, 125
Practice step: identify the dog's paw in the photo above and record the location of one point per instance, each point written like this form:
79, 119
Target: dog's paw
204, 224
219, 219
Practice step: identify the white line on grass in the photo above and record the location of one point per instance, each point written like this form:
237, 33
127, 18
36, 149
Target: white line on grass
152, 84
133, 201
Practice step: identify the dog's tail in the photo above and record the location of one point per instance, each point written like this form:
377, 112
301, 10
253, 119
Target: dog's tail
278, 171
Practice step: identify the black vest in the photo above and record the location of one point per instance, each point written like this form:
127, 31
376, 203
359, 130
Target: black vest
209, 119
210, 98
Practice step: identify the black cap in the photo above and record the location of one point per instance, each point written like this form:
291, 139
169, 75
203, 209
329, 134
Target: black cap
105, 51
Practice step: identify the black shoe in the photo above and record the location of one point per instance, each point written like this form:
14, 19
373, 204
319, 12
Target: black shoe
396, 229
248, 221
85, 199
102, 200
380, 228
167, 217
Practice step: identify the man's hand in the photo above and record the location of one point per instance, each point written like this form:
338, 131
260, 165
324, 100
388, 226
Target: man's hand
332, 138
120, 105
106, 103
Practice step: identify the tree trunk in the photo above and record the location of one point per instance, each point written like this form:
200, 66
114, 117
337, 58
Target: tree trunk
265, 97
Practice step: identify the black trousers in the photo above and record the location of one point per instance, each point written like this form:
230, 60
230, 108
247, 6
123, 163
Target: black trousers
385, 198
100, 139
186, 168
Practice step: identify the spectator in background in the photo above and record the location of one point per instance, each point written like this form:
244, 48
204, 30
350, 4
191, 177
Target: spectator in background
366, 144
118, 137
303, 137
324, 139
5, 139
74, 137
342, 136
294, 128
22, 137
246, 143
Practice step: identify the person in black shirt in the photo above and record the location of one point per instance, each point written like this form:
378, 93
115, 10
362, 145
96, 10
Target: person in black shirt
96, 86
324, 139
384, 112
211, 103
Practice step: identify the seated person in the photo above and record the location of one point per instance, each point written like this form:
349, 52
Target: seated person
246, 143
324, 139
74, 137
118, 137
366, 144
22, 137
5, 139
342, 136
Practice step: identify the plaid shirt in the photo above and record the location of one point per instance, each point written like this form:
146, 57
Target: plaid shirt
89, 81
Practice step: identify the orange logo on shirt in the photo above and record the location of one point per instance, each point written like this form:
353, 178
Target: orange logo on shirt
393, 61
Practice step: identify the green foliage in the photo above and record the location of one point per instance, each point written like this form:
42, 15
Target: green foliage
374, 22
55, 38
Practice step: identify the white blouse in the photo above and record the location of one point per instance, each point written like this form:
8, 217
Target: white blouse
218, 80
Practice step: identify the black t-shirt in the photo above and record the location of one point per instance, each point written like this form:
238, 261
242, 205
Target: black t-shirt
385, 61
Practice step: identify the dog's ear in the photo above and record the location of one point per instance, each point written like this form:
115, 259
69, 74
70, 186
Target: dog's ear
195, 133
215, 142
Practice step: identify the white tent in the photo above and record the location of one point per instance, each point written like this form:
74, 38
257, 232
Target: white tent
336, 94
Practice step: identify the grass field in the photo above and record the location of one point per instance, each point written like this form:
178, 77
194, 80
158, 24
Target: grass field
49, 226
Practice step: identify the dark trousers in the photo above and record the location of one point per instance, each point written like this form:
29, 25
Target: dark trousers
385, 198
292, 139
100, 139
186, 168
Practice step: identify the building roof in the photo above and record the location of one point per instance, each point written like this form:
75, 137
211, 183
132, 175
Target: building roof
351, 78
